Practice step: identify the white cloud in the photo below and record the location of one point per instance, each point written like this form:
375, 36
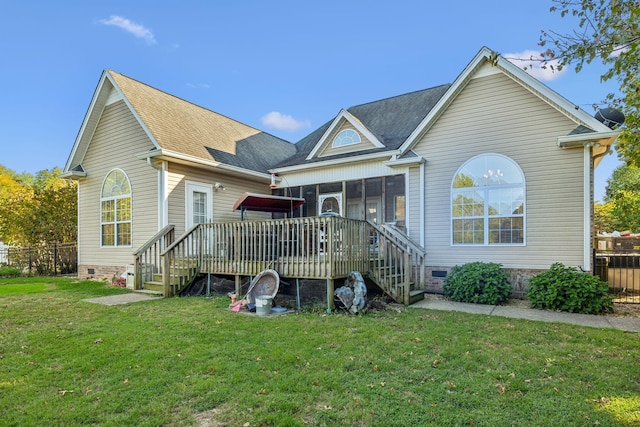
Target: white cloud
531, 62
140, 31
284, 122
198, 85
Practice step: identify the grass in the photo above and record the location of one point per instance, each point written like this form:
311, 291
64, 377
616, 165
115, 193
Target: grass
190, 361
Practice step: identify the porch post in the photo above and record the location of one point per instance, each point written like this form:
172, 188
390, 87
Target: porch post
238, 283
330, 287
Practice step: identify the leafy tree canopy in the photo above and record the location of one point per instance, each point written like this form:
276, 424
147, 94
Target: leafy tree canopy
608, 30
37, 209
621, 208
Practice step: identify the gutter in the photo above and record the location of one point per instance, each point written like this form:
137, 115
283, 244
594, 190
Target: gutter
183, 158
333, 162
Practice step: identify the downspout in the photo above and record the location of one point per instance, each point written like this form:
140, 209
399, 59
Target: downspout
422, 207
588, 196
161, 181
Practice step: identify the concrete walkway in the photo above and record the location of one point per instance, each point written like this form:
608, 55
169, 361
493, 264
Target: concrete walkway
121, 299
623, 323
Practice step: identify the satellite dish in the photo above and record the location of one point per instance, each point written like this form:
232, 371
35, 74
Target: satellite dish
610, 117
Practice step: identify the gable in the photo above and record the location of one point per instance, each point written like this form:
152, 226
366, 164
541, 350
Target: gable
328, 149
487, 63
344, 120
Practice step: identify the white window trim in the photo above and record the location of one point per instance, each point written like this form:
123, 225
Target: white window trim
101, 223
485, 216
344, 131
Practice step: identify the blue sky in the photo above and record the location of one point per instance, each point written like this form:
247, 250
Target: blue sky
285, 67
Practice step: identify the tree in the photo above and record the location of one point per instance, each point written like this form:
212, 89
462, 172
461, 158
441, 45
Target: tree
621, 208
608, 30
37, 209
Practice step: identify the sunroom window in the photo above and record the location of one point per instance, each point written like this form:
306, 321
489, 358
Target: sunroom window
488, 202
115, 210
346, 137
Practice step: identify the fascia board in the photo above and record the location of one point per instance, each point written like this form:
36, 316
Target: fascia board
333, 162
514, 72
405, 162
134, 112
81, 136
579, 140
569, 109
191, 160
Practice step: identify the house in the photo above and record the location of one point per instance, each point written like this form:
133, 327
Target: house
494, 167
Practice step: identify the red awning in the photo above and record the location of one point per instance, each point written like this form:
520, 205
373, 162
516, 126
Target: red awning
267, 203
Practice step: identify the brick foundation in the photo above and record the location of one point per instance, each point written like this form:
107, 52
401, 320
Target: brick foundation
517, 277
101, 271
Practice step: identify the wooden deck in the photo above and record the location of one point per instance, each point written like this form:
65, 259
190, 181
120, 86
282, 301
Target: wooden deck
308, 248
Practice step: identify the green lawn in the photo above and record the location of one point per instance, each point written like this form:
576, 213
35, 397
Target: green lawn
190, 361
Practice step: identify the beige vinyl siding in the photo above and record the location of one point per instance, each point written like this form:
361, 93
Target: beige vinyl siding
116, 142
223, 200
329, 150
493, 114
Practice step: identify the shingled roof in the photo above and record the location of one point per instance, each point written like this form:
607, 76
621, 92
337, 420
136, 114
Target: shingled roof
391, 120
182, 127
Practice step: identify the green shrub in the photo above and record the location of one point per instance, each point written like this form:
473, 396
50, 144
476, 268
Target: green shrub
478, 282
567, 289
9, 271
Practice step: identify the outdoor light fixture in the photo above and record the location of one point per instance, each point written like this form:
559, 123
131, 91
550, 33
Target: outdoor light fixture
273, 184
218, 186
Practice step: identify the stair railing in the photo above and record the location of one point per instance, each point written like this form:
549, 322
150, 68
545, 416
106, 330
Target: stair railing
146, 259
396, 262
182, 259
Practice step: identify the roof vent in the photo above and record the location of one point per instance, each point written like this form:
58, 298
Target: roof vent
610, 117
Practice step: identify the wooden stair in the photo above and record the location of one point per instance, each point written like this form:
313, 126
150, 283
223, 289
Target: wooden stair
389, 279
179, 278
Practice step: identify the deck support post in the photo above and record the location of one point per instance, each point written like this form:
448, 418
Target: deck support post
330, 286
238, 283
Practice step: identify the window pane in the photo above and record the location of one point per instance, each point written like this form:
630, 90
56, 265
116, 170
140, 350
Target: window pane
346, 137
488, 170
108, 211
123, 212
506, 230
199, 207
468, 231
108, 235
124, 234
115, 184
506, 201
468, 203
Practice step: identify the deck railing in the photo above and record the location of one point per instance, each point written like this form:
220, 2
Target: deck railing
311, 247
147, 260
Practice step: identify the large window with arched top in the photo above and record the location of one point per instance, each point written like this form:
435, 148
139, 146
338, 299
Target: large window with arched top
488, 202
115, 209
346, 137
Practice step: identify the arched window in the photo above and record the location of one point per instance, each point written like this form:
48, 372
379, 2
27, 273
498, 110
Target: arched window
115, 209
488, 202
346, 137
